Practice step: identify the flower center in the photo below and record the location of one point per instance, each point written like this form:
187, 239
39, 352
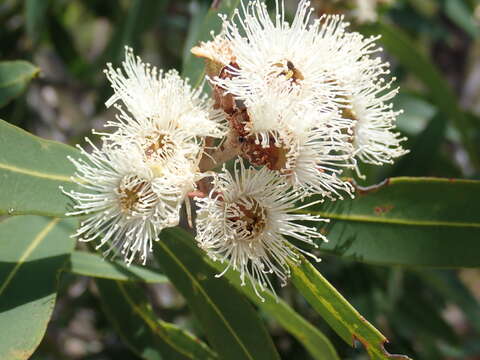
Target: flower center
277, 155
287, 70
134, 194
251, 219
160, 147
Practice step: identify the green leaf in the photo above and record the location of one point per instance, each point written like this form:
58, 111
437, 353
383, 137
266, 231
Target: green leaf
401, 47
424, 150
14, 77
407, 221
193, 67
315, 342
32, 169
32, 252
337, 312
459, 12
129, 310
35, 16
83, 263
229, 321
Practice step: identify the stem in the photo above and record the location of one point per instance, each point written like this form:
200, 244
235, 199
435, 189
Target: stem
226, 151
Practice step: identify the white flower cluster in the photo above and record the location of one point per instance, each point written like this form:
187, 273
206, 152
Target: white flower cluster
300, 102
135, 184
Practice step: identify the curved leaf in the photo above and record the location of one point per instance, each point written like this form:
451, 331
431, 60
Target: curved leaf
14, 77
337, 312
407, 221
32, 169
230, 323
33, 250
133, 318
315, 342
83, 263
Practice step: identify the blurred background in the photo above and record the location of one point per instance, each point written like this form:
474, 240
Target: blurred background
434, 49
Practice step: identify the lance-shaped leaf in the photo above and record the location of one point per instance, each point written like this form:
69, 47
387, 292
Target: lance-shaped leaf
14, 77
337, 312
83, 263
129, 311
230, 323
31, 171
33, 250
407, 221
314, 341
317, 344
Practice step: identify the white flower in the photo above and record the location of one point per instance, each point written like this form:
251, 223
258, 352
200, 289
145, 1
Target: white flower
311, 154
270, 52
311, 76
375, 140
125, 204
162, 148
245, 222
150, 95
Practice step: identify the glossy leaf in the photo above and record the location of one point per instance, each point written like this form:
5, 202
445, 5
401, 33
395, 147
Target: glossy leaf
33, 250
401, 47
407, 221
337, 312
83, 263
193, 67
32, 169
14, 77
129, 311
230, 323
315, 342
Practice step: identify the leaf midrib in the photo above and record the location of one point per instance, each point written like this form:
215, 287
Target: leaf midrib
391, 220
207, 298
35, 173
150, 323
30, 248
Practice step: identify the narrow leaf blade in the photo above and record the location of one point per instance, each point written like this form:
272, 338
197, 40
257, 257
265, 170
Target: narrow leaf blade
318, 345
230, 323
337, 312
86, 264
33, 250
407, 221
32, 169
150, 338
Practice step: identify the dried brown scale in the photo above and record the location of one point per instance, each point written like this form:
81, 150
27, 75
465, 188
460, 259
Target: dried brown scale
274, 157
